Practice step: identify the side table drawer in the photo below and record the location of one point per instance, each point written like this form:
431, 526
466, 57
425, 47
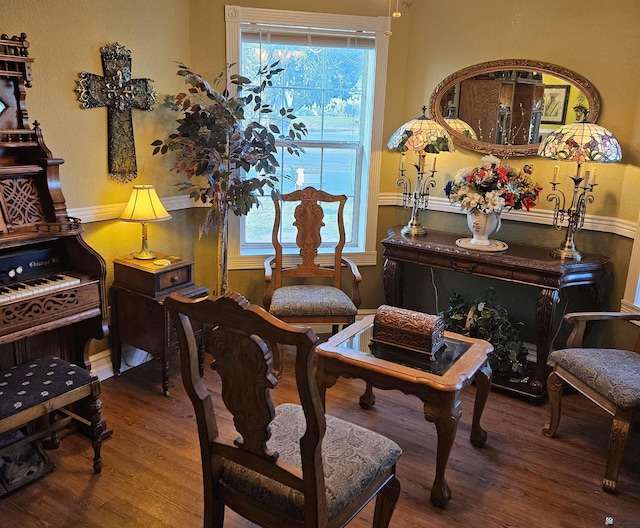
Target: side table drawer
173, 278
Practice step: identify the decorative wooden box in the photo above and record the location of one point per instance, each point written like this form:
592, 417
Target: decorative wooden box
408, 329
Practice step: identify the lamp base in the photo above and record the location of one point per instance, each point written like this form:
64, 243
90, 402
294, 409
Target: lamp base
144, 255
566, 253
414, 228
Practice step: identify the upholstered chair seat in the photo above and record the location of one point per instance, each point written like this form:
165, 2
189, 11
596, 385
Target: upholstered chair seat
290, 301
615, 374
353, 458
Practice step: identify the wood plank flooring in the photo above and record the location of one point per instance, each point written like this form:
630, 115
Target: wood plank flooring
151, 476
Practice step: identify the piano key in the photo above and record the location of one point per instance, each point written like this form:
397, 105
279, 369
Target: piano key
36, 286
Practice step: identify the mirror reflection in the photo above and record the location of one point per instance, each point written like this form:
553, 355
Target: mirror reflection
507, 108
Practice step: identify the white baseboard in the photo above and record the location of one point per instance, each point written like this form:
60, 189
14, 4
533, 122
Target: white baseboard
131, 357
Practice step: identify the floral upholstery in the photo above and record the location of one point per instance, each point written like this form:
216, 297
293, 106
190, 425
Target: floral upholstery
352, 456
311, 300
613, 373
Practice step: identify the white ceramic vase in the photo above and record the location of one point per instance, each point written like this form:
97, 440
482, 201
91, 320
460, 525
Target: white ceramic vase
482, 225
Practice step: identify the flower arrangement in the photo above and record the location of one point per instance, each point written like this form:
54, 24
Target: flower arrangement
491, 187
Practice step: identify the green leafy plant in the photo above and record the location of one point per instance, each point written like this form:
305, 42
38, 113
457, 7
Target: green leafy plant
216, 145
486, 319
213, 140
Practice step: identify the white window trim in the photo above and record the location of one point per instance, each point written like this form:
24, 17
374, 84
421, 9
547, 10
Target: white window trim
234, 15
629, 300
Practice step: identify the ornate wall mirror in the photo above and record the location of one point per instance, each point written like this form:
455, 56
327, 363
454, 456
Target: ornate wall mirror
506, 107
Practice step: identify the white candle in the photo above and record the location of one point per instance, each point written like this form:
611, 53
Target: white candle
401, 161
587, 178
593, 181
555, 173
433, 169
421, 158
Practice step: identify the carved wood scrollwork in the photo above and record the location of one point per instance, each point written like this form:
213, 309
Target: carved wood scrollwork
252, 411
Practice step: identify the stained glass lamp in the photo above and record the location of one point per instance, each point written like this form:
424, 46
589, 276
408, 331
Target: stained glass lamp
459, 125
420, 135
581, 143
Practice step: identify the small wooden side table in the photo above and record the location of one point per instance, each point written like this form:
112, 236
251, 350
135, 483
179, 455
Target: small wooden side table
138, 315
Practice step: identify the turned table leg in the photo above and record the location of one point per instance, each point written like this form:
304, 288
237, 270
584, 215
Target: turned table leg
483, 386
445, 416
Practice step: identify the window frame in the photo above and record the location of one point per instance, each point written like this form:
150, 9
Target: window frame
631, 300
234, 16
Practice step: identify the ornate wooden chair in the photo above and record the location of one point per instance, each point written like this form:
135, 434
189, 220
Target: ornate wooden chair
608, 377
304, 299
289, 466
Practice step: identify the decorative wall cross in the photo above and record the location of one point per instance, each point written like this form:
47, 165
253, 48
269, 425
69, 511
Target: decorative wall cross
119, 93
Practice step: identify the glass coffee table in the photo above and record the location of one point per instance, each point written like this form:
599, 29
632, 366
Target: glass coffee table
437, 381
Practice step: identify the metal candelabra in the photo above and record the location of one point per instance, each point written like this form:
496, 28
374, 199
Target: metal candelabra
418, 198
574, 213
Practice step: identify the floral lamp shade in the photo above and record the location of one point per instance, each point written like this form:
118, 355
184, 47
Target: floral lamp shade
461, 126
421, 135
582, 143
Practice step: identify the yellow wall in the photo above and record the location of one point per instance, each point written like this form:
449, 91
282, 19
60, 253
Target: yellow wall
432, 39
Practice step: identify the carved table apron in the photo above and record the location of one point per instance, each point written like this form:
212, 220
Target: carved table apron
531, 265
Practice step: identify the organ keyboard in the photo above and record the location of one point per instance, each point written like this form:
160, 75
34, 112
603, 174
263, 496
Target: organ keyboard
34, 287
52, 284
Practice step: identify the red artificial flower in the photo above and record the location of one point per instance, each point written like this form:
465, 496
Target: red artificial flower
509, 198
528, 202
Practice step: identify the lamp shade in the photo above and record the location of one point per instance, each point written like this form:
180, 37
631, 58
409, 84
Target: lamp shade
144, 206
461, 126
421, 135
581, 142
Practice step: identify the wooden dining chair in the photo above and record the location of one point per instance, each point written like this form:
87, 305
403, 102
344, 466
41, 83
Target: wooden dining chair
308, 292
289, 466
608, 377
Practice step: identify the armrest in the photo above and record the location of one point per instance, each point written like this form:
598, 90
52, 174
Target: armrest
357, 279
580, 319
268, 270
268, 292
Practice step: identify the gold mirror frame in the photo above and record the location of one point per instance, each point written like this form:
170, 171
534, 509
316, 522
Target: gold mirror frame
461, 140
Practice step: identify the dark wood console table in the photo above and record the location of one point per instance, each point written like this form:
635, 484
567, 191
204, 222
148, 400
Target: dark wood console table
531, 265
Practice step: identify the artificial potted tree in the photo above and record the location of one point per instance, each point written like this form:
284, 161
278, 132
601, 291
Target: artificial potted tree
216, 146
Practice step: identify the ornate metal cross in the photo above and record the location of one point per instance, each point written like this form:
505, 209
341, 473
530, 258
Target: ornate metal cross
119, 93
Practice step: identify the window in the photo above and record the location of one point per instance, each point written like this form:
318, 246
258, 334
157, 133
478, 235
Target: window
631, 300
335, 68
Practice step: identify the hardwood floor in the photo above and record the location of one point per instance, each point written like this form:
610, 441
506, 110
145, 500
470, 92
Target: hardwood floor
151, 476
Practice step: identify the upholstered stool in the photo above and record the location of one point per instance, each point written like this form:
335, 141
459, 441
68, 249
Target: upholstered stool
44, 385
608, 377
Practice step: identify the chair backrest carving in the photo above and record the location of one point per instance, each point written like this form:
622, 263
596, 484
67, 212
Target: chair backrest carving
309, 219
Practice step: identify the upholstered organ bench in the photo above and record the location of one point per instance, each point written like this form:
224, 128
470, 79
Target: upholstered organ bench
49, 386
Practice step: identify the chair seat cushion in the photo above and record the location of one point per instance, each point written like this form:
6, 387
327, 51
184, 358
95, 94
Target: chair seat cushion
611, 372
311, 300
353, 457
29, 384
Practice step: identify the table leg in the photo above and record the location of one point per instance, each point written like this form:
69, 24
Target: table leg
445, 416
324, 381
483, 386
368, 398
547, 301
392, 282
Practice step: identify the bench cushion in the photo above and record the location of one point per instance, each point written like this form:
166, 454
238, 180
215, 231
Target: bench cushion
37, 381
613, 373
